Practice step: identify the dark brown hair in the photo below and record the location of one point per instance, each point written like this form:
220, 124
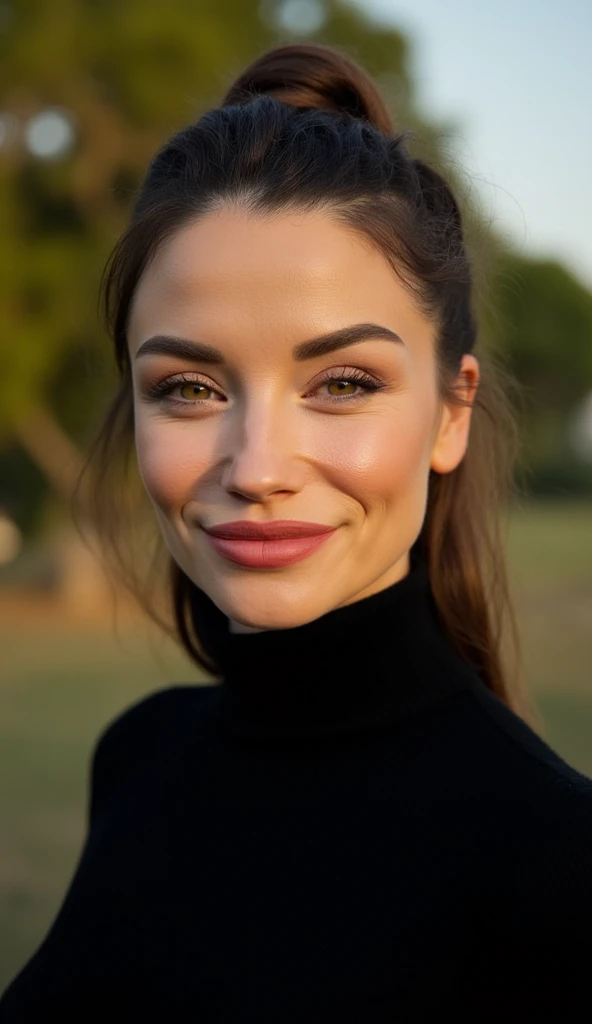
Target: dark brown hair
305, 127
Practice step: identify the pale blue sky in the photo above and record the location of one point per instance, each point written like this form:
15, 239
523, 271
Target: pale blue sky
516, 77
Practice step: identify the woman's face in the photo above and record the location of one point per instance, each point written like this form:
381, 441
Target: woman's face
239, 417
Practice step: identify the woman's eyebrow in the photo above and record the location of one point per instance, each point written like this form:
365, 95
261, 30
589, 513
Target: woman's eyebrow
341, 338
196, 351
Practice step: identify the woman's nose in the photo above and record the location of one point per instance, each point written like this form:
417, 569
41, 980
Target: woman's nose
263, 455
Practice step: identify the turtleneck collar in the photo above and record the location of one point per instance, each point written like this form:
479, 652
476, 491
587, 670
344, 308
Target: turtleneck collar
356, 668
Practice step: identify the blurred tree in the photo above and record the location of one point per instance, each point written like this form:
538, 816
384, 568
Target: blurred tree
541, 317
89, 90
547, 328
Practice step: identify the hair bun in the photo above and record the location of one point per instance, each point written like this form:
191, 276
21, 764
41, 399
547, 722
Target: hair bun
314, 76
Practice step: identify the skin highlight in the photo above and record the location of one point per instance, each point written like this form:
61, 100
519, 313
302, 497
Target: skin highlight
265, 436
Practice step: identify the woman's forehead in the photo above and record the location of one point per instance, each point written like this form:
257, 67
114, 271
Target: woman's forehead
227, 247
298, 270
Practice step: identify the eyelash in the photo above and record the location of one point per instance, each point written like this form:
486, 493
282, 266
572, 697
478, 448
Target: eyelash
162, 391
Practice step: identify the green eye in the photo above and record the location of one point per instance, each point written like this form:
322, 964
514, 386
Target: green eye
341, 386
189, 392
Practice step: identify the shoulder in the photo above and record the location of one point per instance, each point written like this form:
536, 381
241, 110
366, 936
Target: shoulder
530, 816
515, 783
141, 720
530, 799
523, 748
141, 732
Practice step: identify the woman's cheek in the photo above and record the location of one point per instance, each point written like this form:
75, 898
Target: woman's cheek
171, 458
377, 458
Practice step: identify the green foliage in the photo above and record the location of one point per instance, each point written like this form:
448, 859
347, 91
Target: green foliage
23, 503
540, 317
547, 329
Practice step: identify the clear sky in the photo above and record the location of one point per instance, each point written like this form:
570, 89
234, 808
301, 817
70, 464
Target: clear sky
515, 77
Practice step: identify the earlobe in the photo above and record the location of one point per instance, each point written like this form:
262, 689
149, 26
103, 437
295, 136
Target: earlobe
453, 433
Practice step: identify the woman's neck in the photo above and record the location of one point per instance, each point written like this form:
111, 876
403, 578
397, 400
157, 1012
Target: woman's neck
360, 667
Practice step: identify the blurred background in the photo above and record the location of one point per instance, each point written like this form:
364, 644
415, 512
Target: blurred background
498, 95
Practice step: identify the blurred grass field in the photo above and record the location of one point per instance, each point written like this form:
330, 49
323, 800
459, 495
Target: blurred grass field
61, 683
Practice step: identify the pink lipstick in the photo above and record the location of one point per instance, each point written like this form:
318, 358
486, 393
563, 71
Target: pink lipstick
268, 545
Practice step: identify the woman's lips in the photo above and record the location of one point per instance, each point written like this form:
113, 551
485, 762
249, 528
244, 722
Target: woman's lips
268, 554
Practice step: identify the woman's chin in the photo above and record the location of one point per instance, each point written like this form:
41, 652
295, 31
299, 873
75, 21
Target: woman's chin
240, 627
248, 613
249, 623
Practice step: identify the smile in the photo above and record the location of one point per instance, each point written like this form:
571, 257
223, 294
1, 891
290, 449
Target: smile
268, 554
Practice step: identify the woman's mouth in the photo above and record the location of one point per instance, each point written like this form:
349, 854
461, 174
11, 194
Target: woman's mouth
269, 552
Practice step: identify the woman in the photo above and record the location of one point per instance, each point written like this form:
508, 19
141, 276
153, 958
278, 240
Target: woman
355, 823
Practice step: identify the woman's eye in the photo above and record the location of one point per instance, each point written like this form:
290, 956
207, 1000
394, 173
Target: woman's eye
183, 392
352, 385
341, 387
189, 392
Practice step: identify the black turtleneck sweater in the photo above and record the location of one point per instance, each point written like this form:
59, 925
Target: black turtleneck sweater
349, 828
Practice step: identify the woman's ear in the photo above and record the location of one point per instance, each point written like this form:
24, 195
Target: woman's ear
452, 438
